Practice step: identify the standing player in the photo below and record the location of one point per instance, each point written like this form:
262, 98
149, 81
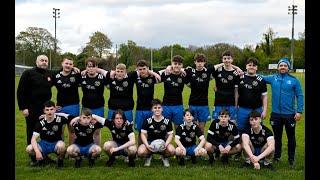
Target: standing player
92, 84
156, 127
252, 94
226, 90
123, 139
84, 129
33, 91
223, 137
67, 82
287, 107
257, 142
173, 87
49, 128
186, 136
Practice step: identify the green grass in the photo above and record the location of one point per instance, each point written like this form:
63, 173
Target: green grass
120, 170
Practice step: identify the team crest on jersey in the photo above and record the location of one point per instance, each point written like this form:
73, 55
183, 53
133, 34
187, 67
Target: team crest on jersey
97, 83
241, 82
230, 77
89, 130
84, 82
125, 83
55, 128
59, 81
179, 80
223, 80
227, 134
192, 134
219, 75
122, 134
188, 139
163, 127
289, 82
254, 83
149, 81
204, 75
260, 139
72, 79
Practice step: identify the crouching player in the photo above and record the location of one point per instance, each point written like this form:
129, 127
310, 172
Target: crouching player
223, 137
156, 127
84, 128
258, 143
186, 135
49, 128
123, 139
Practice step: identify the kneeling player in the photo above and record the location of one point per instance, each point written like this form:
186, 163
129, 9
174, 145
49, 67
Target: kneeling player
156, 127
84, 129
185, 138
123, 139
49, 128
257, 142
223, 137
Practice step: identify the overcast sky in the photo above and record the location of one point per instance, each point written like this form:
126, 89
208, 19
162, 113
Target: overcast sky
155, 23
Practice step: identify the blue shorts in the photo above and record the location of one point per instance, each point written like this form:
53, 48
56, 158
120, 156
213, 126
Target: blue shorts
140, 117
47, 147
174, 113
190, 150
98, 111
257, 151
200, 113
243, 117
128, 114
232, 110
84, 150
73, 110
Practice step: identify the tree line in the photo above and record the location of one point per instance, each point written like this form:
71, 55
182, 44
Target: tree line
34, 41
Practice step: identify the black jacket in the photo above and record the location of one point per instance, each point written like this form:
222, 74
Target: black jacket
34, 88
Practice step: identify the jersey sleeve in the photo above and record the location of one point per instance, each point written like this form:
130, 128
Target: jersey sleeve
169, 125
129, 130
211, 134
37, 128
133, 75
198, 132
178, 132
264, 89
23, 91
268, 132
108, 123
236, 136
144, 127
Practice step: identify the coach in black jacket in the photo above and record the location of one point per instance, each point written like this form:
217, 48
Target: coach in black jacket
34, 90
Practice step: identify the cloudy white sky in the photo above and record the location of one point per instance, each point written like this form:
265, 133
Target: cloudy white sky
155, 23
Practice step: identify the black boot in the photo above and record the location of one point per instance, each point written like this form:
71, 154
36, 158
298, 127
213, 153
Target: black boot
59, 162
181, 161
111, 160
91, 160
193, 159
225, 159
131, 161
211, 158
77, 164
33, 161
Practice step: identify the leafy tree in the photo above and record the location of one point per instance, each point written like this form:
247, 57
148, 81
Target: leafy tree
99, 42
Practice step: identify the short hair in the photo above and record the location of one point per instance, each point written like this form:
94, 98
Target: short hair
252, 60
92, 60
42, 56
227, 53
119, 111
86, 112
49, 104
187, 110
199, 57
69, 58
142, 63
155, 102
224, 112
121, 66
254, 114
177, 58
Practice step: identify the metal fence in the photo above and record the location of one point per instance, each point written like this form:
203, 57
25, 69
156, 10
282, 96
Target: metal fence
20, 68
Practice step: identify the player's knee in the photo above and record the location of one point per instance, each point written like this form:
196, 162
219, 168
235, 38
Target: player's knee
29, 149
208, 147
142, 151
107, 146
132, 150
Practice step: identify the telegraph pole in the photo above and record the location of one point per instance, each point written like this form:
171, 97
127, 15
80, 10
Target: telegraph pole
292, 10
56, 14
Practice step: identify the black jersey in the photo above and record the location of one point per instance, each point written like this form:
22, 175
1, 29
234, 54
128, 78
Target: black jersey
121, 92
188, 135
173, 87
157, 130
226, 82
218, 134
145, 92
93, 88
50, 131
34, 88
120, 135
84, 134
67, 87
251, 88
260, 139
199, 84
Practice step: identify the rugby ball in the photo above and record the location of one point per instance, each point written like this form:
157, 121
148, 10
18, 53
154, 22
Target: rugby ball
158, 145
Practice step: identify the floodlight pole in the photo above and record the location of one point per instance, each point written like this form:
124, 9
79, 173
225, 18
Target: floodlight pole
292, 10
